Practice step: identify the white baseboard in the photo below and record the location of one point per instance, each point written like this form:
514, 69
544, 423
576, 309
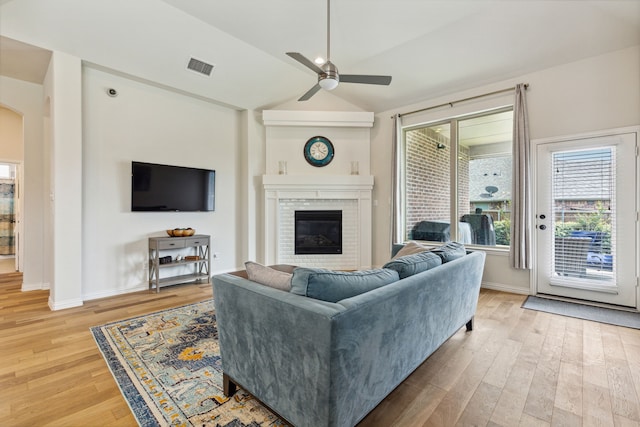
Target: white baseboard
505, 288
113, 292
34, 286
61, 305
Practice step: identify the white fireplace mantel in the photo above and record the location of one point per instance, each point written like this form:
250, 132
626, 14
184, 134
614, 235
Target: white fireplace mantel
313, 188
318, 118
317, 182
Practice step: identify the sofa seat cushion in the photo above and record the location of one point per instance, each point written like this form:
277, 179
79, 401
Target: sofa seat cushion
409, 265
278, 278
333, 286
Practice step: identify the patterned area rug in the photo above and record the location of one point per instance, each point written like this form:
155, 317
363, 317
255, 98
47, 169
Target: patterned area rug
167, 365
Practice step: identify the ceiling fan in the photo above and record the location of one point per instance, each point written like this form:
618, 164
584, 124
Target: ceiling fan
328, 76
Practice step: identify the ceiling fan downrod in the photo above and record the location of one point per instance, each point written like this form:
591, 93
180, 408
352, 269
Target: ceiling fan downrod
328, 76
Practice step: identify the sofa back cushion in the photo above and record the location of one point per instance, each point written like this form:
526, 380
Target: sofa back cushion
333, 286
409, 265
450, 251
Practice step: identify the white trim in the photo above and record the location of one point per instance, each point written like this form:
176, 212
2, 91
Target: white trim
26, 287
317, 182
318, 118
114, 292
74, 302
504, 288
593, 134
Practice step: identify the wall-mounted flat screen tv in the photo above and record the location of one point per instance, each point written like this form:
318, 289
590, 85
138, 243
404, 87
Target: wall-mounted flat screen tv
165, 188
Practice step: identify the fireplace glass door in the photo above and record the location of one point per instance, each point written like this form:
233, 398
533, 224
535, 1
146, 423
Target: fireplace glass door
318, 232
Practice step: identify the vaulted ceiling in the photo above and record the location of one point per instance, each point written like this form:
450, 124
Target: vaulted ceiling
431, 48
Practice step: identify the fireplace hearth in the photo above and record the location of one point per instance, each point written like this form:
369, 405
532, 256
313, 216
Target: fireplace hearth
318, 232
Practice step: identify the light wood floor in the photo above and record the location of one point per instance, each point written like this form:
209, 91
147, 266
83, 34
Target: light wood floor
7, 265
518, 367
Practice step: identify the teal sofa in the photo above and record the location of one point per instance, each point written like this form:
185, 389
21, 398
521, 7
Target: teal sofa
318, 363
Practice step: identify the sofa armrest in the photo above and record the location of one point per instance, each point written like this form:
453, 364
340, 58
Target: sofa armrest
388, 332
276, 345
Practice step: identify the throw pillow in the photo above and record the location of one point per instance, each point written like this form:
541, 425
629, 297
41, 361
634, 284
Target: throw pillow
411, 248
450, 251
409, 265
334, 286
268, 276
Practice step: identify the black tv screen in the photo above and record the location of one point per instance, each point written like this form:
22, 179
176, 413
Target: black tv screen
164, 188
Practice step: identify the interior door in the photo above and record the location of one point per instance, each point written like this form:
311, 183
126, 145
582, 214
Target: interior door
586, 218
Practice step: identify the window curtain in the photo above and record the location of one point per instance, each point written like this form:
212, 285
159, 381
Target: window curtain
521, 247
396, 236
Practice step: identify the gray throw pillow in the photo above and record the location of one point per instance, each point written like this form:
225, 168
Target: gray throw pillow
409, 265
450, 251
411, 248
268, 276
334, 286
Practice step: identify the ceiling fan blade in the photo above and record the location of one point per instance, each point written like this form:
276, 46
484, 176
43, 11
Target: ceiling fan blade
304, 61
310, 93
370, 80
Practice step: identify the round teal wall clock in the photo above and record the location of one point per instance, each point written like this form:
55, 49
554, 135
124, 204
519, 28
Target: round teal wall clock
318, 151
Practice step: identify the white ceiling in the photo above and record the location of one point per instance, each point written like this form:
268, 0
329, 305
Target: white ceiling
431, 48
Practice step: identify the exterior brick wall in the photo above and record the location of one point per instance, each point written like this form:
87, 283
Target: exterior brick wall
427, 177
464, 202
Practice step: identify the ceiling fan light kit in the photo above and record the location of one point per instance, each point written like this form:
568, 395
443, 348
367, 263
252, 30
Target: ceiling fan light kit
328, 83
328, 76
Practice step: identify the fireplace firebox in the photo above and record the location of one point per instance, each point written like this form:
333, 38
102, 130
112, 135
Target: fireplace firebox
318, 232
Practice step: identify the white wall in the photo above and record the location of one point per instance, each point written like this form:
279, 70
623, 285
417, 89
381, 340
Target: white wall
63, 91
286, 143
253, 141
145, 123
596, 93
26, 99
11, 138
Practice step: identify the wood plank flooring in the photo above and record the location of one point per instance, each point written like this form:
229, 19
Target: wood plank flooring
517, 368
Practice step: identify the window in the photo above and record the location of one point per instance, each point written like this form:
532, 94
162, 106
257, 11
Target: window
583, 205
6, 171
456, 179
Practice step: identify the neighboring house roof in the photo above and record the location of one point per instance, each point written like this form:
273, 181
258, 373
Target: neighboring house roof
490, 179
578, 175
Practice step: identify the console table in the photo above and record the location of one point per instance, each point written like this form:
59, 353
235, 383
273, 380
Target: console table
201, 265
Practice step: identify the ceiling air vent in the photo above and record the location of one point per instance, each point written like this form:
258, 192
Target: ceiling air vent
200, 67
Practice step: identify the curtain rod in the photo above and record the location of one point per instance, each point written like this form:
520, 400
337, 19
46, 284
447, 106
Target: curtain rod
526, 86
